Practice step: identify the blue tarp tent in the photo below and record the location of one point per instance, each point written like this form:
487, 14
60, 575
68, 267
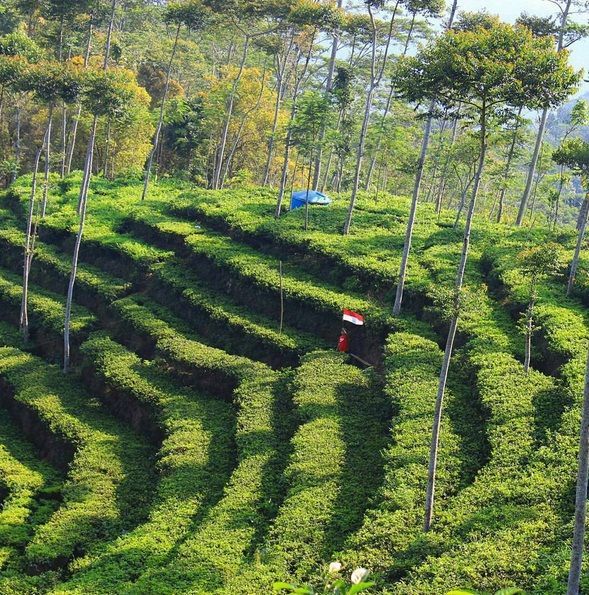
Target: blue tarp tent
298, 199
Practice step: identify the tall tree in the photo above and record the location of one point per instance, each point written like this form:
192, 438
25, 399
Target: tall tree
566, 36
511, 153
310, 18
76, 119
101, 99
574, 154
579, 117
280, 46
310, 120
536, 263
427, 9
17, 53
495, 78
378, 63
580, 518
328, 86
195, 16
299, 75
63, 12
248, 19
416, 190
49, 82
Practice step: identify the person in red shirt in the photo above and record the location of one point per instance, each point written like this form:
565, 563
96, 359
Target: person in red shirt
343, 343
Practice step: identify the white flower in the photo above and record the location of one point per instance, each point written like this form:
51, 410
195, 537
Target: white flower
335, 567
359, 575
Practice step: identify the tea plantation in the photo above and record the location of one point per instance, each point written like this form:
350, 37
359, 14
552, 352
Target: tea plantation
198, 445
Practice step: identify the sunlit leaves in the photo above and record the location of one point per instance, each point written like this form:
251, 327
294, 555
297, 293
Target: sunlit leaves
574, 154
493, 63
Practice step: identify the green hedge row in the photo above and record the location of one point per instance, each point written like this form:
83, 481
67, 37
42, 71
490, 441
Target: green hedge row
516, 409
340, 434
195, 460
562, 321
367, 260
562, 348
52, 268
232, 327
29, 492
108, 466
46, 314
235, 328
483, 322
388, 542
481, 532
116, 253
253, 278
211, 556
152, 331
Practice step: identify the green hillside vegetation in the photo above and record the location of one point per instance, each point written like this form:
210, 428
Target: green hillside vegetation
293, 298
263, 474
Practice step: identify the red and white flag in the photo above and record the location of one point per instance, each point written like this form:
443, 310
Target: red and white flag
353, 317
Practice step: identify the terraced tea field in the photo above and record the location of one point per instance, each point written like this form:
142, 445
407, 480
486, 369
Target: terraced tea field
199, 447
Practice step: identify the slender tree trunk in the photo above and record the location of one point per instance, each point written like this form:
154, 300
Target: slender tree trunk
47, 162
581, 496
557, 199
17, 148
63, 137
542, 128
359, 159
583, 214
507, 171
529, 331
463, 194
433, 461
109, 35
82, 202
72, 143
442, 186
294, 173
375, 78
284, 174
281, 86
76, 119
415, 197
441, 149
341, 115
230, 106
580, 238
330, 157
106, 149
61, 32
340, 174
64, 108
287, 145
271, 140
28, 248
412, 215
307, 200
534, 196
328, 87
242, 124
158, 130
460, 208
437, 158
387, 109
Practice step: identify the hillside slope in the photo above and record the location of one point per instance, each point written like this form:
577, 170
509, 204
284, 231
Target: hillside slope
199, 446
